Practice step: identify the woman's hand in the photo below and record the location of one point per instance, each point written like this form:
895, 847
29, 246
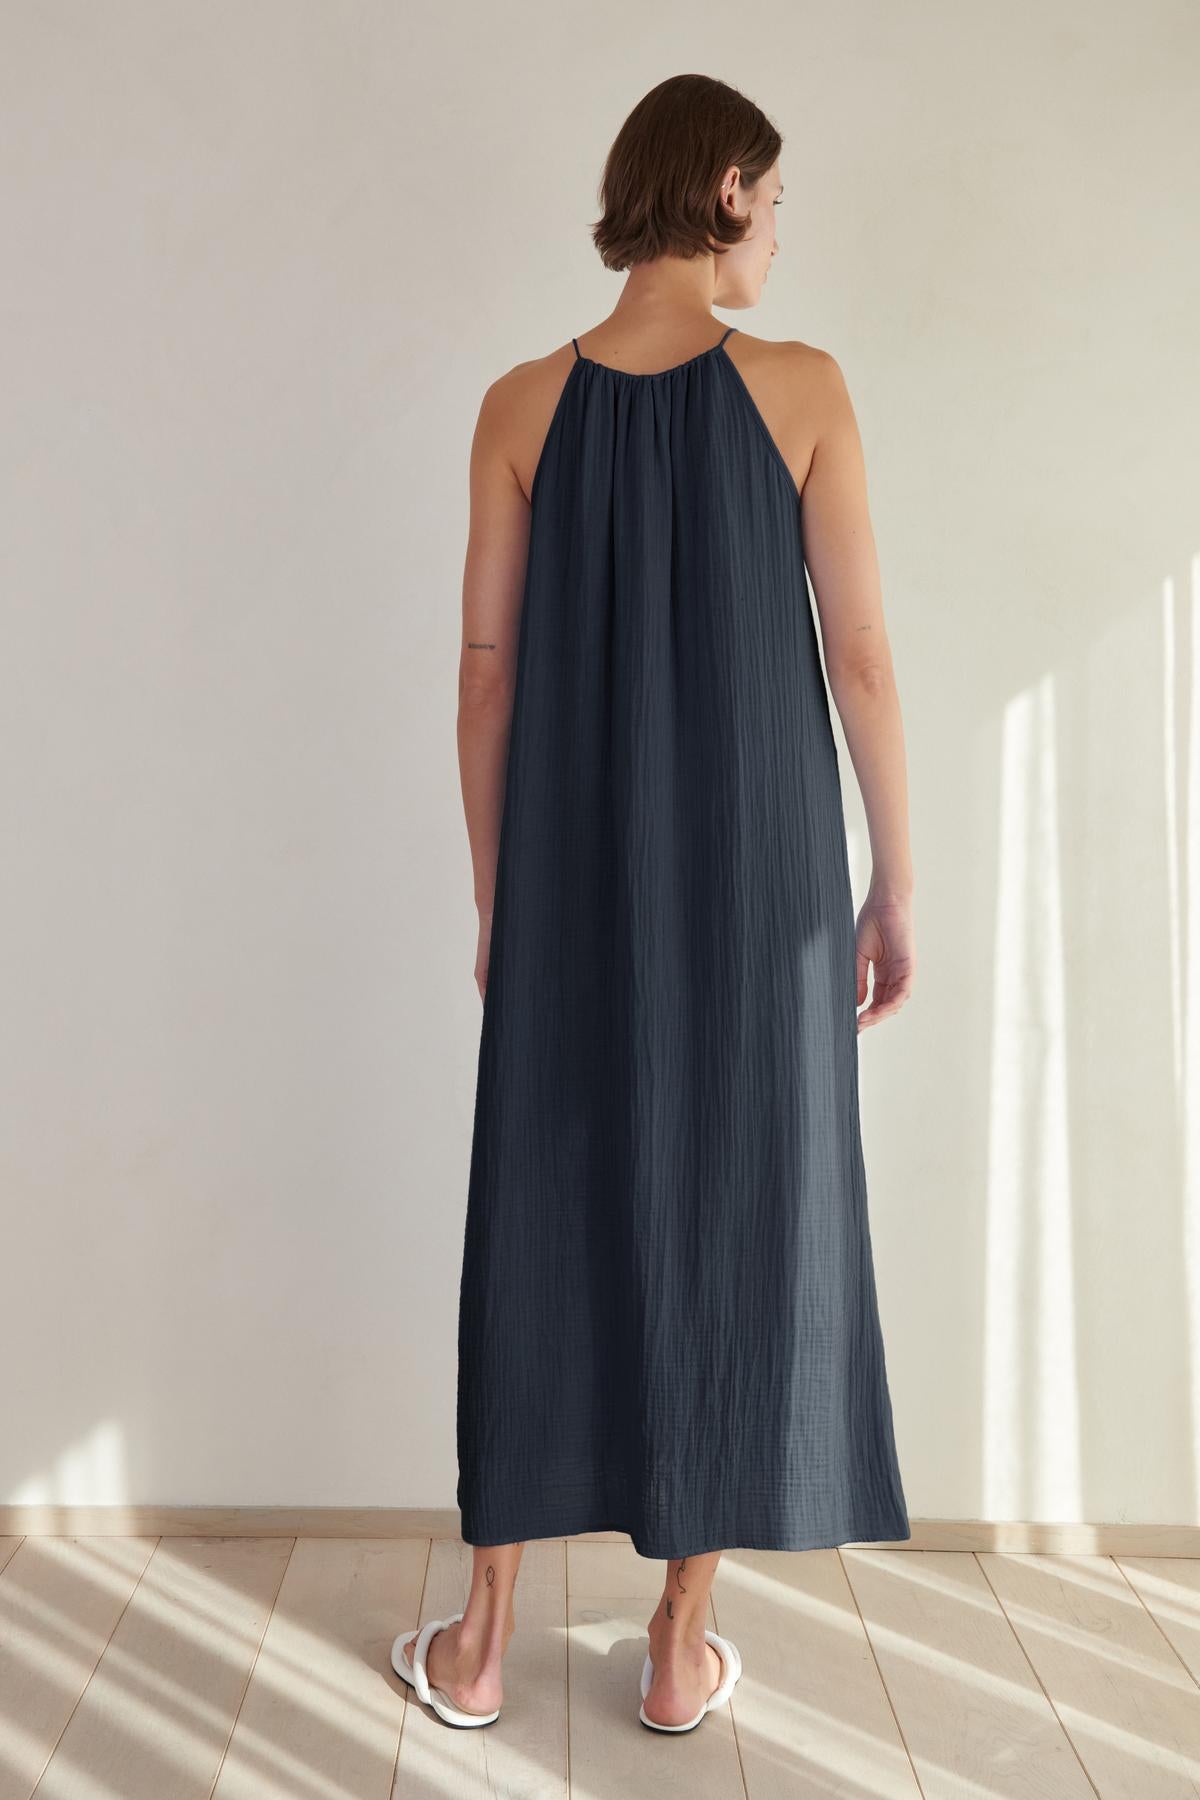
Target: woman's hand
483, 952
884, 937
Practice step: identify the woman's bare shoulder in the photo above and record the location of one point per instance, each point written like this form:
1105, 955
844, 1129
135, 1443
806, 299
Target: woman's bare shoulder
788, 356
525, 380
516, 409
801, 385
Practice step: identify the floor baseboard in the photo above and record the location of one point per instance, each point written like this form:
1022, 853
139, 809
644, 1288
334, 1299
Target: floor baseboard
1031, 1537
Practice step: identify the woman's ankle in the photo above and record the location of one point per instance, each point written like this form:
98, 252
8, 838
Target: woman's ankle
675, 1628
484, 1641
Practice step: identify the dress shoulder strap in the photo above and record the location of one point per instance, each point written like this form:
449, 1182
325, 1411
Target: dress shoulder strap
728, 329
578, 351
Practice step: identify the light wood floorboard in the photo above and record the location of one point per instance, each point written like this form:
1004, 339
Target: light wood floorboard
1129, 1703
258, 1668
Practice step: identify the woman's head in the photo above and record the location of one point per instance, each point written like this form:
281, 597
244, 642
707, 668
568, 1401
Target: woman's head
694, 171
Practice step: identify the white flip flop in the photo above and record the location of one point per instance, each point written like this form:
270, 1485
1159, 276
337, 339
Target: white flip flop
414, 1673
732, 1661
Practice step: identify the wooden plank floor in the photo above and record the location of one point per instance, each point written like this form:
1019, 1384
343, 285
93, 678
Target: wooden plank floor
256, 1668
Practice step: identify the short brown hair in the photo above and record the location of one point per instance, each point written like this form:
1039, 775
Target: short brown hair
662, 180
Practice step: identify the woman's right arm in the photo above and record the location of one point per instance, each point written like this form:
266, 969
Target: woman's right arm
493, 586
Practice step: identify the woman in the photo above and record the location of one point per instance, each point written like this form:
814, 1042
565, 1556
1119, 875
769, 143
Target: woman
668, 1320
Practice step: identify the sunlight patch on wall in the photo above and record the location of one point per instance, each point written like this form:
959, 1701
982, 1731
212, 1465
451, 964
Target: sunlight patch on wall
1031, 1457
90, 1472
1183, 899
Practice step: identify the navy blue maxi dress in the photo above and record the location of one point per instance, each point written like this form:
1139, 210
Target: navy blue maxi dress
667, 1315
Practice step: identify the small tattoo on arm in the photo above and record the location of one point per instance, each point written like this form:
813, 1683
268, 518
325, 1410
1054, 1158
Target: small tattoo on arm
489, 1575
471, 646
678, 1573
670, 1610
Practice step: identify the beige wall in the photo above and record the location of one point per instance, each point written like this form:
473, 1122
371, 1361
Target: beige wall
266, 259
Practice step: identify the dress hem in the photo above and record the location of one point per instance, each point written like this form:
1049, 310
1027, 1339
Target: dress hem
882, 1531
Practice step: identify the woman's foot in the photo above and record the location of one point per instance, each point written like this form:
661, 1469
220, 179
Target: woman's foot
463, 1670
687, 1673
